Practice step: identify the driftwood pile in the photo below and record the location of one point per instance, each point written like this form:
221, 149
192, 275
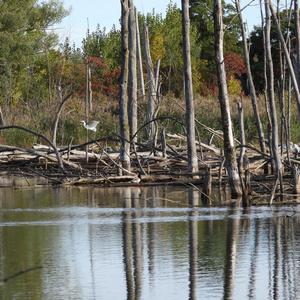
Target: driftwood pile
100, 166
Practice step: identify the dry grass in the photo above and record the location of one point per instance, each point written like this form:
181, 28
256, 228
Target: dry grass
105, 109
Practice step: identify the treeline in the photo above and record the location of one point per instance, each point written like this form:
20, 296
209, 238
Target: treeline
165, 35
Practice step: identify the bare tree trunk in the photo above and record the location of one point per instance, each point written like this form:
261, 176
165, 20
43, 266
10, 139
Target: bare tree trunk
242, 133
139, 56
151, 88
90, 91
157, 69
2, 122
61, 105
229, 150
250, 81
123, 98
297, 27
188, 90
271, 96
87, 108
265, 60
132, 84
287, 57
266, 170
157, 90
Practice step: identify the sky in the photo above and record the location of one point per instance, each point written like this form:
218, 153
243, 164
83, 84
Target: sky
107, 12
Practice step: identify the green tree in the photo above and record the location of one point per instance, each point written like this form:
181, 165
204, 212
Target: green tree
24, 39
202, 19
105, 45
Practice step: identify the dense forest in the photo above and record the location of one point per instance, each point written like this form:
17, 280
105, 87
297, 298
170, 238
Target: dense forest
194, 70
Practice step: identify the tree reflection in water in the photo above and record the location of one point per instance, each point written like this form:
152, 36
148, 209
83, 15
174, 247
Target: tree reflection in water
193, 196
152, 243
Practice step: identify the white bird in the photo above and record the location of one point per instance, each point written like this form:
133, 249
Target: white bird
92, 125
136, 180
295, 149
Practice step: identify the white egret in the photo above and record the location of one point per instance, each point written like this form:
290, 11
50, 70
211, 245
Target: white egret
137, 179
295, 148
92, 125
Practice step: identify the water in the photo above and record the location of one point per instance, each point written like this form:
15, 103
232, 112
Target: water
143, 243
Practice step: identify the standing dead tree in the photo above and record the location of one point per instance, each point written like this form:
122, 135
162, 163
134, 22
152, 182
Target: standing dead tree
132, 80
252, 90
151, 87
287, 57
229, 148
63, 100
188, 90
271, 95
139, 57
89, 91
88, 101
123, 97
297, 27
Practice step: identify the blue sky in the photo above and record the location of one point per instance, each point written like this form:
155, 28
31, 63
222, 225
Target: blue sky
107, 12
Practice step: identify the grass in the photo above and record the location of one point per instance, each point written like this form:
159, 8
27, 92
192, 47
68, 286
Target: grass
105, 110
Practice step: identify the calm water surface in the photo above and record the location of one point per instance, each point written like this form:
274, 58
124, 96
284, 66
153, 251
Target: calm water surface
143, 243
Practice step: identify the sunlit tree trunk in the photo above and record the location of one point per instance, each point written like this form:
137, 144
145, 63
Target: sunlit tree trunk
287, 57
250, 81
188, 90
297, 27
132, 80
229, 150
270, 93
139, 57
151, 87
123, 97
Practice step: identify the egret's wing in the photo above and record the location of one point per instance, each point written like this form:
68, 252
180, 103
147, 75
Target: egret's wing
93, 123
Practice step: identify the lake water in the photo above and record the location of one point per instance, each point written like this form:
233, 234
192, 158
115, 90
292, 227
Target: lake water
143, 243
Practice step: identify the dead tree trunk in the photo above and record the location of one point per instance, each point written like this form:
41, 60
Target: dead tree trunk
297, 27
151, 87
139, 56
287, 57
132, 80
242, 135
87, 101
123, 98
271, 96
61, 105
2, 122
188, 90
252, 90
89, 86
229, 150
